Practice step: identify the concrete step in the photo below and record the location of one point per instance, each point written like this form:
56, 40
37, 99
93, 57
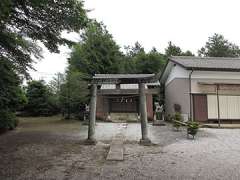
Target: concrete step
159, 123
124, 117
116, 147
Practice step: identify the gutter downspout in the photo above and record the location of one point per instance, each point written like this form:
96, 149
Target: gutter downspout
218, 106
190, 93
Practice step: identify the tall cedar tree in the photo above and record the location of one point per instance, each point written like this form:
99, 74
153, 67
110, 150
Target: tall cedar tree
96, 53
136, 60
73, 94
218, 46
173, 50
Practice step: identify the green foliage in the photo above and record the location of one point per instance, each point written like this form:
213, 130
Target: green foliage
74, 94
55, 84
177, 120
23, 22
96, 53
8, 120
187, 53
40, 99
54, 88
11, 96
173, 50
178, 116
218, 46
134, 50
138, 61
8, 86
192, 128
152, 62
21, 97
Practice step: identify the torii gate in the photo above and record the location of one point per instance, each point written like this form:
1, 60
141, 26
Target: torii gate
140, 79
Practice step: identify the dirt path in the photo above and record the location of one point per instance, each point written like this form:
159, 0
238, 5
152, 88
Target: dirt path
49, 148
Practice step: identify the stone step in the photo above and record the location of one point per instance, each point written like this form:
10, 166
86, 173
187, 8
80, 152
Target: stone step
159, 123
116, 147
124, 117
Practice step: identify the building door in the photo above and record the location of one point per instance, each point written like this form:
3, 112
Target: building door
200, 108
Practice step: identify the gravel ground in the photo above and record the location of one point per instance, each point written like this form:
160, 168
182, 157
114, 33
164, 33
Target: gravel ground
50, 148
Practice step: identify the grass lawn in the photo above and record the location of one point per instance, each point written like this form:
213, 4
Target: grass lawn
51, 124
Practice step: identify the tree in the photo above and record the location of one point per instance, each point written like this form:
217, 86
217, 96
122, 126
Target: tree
54, 87
218, 46
136, 60
96, 53
187, 53
11, 96
56, 82
173, 50
133, 51
40, 100
23, 22
128, 62
74, 94
147, 63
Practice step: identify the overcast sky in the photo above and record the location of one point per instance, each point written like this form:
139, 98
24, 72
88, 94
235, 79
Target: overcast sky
187, 23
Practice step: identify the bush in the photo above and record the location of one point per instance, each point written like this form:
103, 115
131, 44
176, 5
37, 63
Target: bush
192, 128
177, 119
41, 102
8, 120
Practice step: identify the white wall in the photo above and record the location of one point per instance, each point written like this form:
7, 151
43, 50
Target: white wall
122, 86
215, 75
207, 76
176, 91
108, 86
212, 77
177, 72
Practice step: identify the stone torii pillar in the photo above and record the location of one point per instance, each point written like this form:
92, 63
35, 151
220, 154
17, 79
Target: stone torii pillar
143, 115
91, 140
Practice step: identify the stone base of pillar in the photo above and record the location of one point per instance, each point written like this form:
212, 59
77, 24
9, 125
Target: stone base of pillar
145, 142
85, 122
90, 142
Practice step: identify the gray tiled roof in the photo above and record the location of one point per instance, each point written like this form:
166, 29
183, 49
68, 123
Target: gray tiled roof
207, 63
122, 76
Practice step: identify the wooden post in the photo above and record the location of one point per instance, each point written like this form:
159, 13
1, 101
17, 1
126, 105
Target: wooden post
143, 114
92, 117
